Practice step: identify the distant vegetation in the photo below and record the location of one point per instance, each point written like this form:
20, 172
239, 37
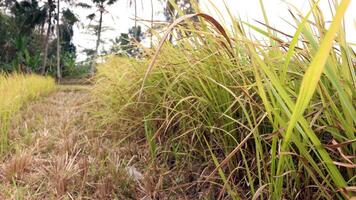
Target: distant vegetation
26, 42
37, 35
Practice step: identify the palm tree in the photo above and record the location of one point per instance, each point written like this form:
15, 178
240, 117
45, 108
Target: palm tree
101, 4
27, 15
59, 75
53, 13
151, 31
135, 1
50, 7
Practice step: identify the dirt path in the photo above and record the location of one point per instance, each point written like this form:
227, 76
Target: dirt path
58, 152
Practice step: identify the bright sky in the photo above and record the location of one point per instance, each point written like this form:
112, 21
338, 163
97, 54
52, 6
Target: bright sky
118, 17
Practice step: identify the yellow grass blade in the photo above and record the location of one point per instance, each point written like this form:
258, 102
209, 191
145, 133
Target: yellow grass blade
310, 82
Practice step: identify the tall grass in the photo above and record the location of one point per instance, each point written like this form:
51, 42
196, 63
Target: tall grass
265, 119
15, 91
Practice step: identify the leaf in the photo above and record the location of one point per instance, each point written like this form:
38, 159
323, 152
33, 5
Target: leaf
91, 16
83, 5
314, 71
259, 192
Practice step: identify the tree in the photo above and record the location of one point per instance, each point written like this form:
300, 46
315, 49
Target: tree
6, 4
22, 40
64, 41
68, 20
50, 7
135, 7
126, 44
151, 29
59, 76
7, 51
101, 4
27, 15
67, 33
25, 44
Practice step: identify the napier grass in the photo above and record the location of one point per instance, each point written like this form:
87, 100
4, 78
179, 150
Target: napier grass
261, 120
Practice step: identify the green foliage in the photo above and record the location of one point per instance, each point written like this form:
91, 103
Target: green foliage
20, 50
27, 15
127, 43
8, 42
24, 60
73, 69
69, 17
23, 38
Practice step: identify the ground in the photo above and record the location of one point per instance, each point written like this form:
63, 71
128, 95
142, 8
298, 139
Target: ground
58, 151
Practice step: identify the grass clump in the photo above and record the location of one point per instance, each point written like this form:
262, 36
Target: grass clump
234, 118
16, 90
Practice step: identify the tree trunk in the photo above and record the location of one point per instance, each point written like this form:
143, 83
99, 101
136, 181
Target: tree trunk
152, 13
45, 53
42, 37
96, 53
135, 1
59, 75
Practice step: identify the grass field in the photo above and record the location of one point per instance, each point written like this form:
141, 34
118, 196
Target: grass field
15, 91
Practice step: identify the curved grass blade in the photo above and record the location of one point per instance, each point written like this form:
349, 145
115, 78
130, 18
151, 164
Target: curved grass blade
207, 17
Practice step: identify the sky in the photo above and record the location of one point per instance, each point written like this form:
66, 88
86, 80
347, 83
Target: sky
118, 18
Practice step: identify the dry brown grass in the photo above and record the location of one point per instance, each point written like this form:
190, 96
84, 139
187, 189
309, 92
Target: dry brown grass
58, 152
16, 167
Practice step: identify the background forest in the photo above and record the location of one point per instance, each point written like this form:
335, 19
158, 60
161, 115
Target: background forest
29, 35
